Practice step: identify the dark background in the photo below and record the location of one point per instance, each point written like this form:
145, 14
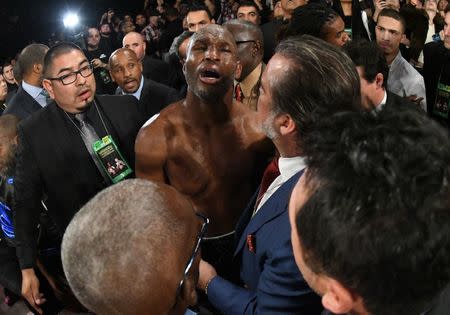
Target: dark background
25, 21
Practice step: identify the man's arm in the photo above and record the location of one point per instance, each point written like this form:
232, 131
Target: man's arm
281, 288
27, 196
151, 152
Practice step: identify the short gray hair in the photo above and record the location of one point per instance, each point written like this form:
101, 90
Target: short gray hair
125, 240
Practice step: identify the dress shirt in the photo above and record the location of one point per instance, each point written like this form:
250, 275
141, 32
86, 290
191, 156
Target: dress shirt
138, 92
35, 92
404, 80
380, 106
288, 168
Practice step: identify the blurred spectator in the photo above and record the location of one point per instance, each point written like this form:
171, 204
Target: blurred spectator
198, 16
319, 21
152, 33
173, 28
177, 58
98, 57
249, 11
154, 69
30, 96
8, 74
403, 79
141, 22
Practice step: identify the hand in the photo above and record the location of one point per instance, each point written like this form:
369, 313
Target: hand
97, 63
379, 5
3, 90
415, 99
206, 273
30, 289
405, 41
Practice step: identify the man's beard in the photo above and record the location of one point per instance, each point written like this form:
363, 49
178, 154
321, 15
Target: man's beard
8, 166
267, 127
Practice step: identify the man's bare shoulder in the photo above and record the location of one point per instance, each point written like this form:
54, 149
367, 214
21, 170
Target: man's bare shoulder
246, 122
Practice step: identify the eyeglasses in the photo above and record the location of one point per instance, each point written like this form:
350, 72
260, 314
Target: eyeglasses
200, 236
72, 77
245, 41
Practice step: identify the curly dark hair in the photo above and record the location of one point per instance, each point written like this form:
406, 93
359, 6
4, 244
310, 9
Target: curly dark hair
378, 220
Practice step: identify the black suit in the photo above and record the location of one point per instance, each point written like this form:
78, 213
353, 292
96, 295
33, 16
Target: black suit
22, 104
53, 161
436, 65
154, 97
155, 69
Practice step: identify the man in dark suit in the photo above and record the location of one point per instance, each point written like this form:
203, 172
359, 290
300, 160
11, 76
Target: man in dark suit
436, 73
61, 158
126, 71
373, 73
371, 221
288, 107
153, 68
30, 96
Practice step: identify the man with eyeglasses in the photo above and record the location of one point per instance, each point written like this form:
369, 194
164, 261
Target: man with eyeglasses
250, 50
157, 267
64, 150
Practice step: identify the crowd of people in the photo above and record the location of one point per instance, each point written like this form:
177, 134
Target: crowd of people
231, 157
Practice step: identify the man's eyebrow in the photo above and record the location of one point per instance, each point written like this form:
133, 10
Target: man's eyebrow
69, 69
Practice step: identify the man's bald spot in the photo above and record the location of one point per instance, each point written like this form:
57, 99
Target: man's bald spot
216, 31
127, 52
132, 36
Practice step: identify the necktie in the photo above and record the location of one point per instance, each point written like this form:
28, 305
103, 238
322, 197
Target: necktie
46, 95
238, 95
270, 173
89, 136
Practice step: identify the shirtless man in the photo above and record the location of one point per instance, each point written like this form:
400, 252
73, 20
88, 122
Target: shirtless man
207, 146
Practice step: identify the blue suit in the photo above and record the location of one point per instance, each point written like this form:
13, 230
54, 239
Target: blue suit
273, 282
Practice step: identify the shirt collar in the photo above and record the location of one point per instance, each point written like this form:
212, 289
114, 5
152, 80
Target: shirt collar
34, 91
290, 166
380, 106
138, 92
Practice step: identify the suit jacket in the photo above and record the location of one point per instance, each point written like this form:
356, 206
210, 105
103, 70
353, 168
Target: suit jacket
436, 64
155, 69
274, 285
53, 161
154, 97
22, 104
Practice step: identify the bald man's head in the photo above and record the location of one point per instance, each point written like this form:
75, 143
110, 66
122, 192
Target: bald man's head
136, 42
125, 69
136, 237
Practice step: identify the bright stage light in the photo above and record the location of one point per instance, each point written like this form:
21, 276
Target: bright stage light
71, 20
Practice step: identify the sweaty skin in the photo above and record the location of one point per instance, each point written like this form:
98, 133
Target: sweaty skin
207, 146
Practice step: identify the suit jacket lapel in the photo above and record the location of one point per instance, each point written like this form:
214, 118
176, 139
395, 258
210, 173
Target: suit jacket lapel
273, 207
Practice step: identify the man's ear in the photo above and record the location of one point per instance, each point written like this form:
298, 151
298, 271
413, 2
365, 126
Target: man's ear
286, 123
47, 84
37, 68
184, 68
379, 79
403, 37
337, 298
15, 139
112, 77
238, 71
256, 48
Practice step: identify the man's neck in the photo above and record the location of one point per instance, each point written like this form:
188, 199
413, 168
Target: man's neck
390, 58
431, 16
32, 81
209, 111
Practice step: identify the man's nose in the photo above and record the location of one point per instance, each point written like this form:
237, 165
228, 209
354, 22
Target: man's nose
212, 53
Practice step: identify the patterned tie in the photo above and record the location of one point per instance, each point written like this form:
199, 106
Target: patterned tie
46, 95
89, 136
238, 95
